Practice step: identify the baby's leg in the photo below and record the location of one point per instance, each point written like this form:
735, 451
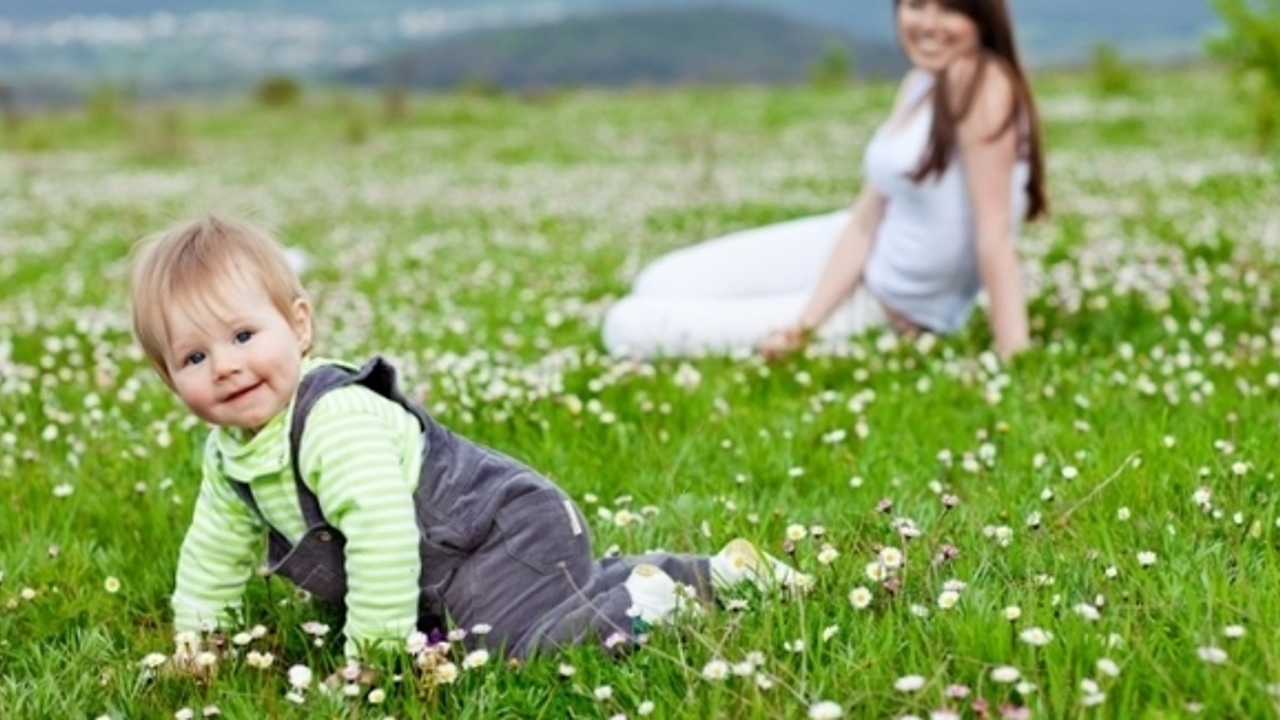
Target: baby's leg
738, 562
536, 558
534, 583
691, 570
742, 562
626, 596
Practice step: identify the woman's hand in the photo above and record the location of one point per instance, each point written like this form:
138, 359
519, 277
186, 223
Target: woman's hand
784, 341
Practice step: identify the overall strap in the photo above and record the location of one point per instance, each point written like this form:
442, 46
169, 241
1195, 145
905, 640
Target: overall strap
377, 374
245, 493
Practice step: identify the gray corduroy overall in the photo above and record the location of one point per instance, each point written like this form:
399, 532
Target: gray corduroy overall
499, 543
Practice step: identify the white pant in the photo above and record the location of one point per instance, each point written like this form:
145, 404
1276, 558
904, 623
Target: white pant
728, 293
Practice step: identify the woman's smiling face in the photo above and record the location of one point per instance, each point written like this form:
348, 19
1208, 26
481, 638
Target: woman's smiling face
933, 35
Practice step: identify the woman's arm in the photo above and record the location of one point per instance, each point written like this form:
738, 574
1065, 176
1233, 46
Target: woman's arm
988, 151
839, 276
844, 267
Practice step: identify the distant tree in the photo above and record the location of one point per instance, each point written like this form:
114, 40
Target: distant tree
161, 136
479, 86
277, 91
109, 103
834, 68
9, 108
1250, 44
395, 90
395, 102
1112, 76
356, 130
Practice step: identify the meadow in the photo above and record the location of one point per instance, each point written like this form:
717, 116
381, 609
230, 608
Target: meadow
1089, 530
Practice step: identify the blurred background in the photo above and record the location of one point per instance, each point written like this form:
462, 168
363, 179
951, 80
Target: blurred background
55, 52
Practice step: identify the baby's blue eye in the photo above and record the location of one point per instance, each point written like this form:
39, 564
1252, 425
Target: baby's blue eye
244, 336
194, 358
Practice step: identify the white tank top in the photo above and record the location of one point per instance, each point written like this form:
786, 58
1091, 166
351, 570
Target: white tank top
923, 263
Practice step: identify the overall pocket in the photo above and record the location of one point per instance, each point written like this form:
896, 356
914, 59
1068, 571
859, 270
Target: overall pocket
317, 564
544, 531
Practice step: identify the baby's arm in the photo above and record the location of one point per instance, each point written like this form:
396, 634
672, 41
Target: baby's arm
360, 455
217, 558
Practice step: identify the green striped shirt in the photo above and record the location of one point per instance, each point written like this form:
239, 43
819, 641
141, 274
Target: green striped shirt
360, 455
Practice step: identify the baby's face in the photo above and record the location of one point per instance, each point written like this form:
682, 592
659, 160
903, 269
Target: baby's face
234, 358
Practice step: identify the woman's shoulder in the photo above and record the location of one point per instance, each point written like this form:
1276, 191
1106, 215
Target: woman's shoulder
982, 90
982, 73
912, 88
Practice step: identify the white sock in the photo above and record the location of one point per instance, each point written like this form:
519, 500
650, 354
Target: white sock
653, 593
736, 562
739, 560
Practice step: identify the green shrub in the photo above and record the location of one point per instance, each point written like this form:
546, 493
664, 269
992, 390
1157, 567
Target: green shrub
36, 137
395, 103
356, 126
1250, 44
9, 110
161, 137
1112, 76
109, 104
356, 129
834, 68
480, 86
278, 91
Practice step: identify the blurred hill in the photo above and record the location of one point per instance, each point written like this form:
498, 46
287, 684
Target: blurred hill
1055, 29
1055, 26
653, 47
62, 49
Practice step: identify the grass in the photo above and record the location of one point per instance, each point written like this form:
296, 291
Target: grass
478, 240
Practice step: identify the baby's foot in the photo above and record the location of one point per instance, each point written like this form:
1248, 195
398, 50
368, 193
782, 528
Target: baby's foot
739, 560
653, 593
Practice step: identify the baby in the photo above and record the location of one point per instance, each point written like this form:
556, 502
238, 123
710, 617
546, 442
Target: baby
366, 501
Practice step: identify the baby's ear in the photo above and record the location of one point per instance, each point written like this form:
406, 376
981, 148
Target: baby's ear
301, 322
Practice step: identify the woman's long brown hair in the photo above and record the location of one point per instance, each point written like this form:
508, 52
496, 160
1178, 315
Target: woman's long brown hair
996, 36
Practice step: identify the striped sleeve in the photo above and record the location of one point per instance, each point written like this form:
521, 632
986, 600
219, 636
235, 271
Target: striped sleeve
360, 455
218, 556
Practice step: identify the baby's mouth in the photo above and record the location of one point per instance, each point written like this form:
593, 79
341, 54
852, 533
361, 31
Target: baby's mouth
241, 392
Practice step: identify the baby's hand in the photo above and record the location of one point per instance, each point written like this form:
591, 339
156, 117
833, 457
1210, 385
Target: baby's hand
200, 666
352, 674
194, 657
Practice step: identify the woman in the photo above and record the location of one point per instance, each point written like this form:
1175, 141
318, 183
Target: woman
950, 175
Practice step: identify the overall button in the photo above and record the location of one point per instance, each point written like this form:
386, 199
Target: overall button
325, 536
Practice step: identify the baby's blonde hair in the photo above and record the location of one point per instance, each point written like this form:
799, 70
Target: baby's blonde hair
190, 263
